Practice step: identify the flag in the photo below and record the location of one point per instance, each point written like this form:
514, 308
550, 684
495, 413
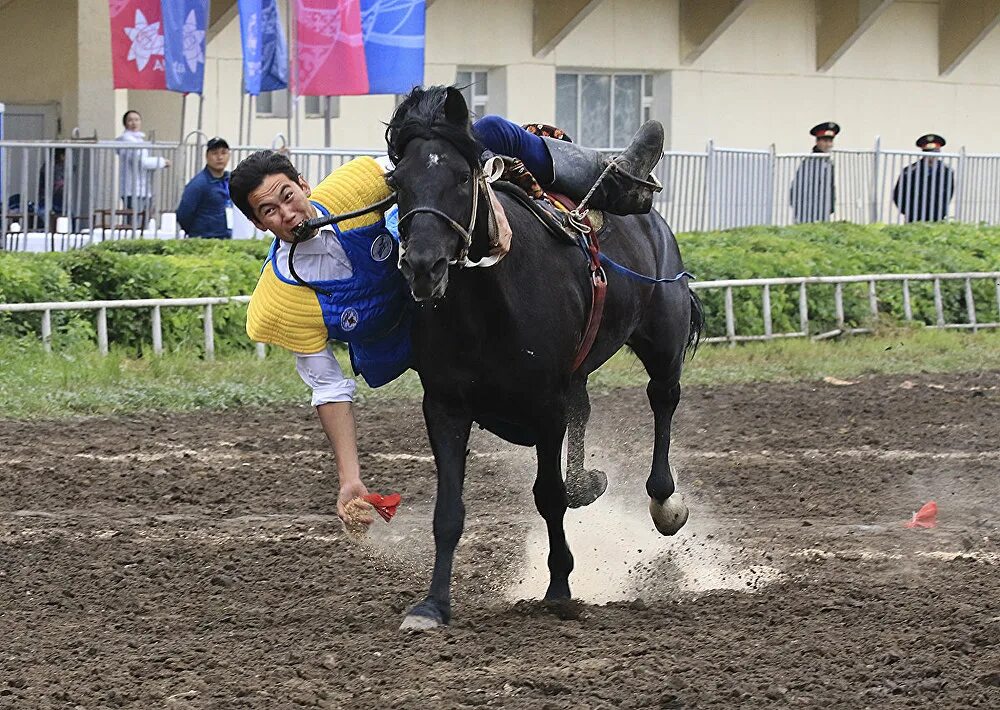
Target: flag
137, 44
349, 47
265, 52
393, 34
184, 27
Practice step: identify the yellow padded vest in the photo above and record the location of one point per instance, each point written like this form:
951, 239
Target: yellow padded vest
288, 315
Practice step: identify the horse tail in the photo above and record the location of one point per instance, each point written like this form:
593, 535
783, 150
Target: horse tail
697, 324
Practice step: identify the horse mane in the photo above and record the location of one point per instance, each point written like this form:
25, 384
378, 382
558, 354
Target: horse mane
422, 115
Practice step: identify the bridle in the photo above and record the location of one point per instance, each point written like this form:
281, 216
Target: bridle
461, 258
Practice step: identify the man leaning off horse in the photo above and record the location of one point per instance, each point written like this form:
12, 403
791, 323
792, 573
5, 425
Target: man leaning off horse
342, 282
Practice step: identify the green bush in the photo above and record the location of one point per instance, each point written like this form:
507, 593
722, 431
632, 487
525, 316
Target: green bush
103, 273
835, 249
204, 267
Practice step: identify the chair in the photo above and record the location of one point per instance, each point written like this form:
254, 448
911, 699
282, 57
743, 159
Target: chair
120, 219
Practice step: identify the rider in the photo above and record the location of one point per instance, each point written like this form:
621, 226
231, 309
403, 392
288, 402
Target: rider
353, 291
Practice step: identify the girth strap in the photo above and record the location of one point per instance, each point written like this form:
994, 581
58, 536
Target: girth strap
591, 246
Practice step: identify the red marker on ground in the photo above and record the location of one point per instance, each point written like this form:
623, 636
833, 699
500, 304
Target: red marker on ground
926, 517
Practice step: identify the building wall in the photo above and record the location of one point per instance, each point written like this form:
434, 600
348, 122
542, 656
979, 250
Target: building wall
39, 42
754, 86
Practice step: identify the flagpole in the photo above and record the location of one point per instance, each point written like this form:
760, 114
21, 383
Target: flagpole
293, 57
184, 98
201, 111
328, 127
243, 79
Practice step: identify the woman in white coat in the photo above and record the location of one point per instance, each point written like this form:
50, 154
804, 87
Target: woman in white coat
136, 166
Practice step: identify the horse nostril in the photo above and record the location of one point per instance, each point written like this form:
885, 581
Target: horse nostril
439, 269
406, 269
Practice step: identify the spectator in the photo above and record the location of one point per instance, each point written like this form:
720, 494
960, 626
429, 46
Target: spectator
135, 166
925, 188
811, 196
204, 210
58, 181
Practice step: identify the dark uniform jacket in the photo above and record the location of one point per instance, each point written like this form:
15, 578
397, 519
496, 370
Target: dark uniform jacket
923, 191
811, 196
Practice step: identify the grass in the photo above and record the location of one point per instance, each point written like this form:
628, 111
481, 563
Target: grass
78, 381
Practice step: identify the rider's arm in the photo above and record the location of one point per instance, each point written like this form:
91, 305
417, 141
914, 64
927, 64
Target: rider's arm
333, 395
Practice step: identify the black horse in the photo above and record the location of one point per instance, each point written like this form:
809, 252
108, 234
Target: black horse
495, 345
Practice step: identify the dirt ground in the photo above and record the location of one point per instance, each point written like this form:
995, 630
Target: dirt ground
194, 561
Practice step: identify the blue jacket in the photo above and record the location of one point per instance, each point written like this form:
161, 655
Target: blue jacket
202, 211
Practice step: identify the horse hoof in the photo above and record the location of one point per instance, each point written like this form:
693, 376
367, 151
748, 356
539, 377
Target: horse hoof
585, 487
414, 623
670, 515
423, 617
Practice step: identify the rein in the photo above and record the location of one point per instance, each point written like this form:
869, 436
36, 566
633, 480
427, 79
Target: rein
307, 229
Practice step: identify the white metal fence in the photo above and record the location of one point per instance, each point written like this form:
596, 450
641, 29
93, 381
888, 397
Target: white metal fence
717, 188
884, 296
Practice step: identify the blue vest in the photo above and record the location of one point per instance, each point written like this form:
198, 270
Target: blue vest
371, 310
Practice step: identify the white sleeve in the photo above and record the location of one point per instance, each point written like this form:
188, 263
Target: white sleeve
322, 373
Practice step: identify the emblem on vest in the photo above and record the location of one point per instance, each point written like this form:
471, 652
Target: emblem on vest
349, 320
382, 247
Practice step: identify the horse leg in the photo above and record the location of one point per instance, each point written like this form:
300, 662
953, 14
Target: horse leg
583, 486
666, 507
659, 343
550, 500
448, 432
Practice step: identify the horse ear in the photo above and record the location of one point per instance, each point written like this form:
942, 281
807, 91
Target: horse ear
455, 109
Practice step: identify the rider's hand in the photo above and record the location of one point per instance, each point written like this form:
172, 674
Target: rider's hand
349, 492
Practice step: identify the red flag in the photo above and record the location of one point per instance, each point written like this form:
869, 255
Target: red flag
137, 44
329, 51
384, 505
926, 517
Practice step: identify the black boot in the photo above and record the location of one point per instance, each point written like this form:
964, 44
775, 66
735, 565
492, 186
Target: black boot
628, 186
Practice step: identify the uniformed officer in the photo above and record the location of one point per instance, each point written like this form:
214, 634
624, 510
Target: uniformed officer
811, 196
925, 188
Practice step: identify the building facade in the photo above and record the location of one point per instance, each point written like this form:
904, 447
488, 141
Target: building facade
743, 73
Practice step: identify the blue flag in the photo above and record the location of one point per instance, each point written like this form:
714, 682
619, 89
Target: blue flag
184, 27
393, 34
265, 51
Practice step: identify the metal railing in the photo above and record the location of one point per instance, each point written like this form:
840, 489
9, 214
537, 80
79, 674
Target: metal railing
71, 193
873, 306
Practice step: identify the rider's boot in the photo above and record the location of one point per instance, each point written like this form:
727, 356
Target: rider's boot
628, 186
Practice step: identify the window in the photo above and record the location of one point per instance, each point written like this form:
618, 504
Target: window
315, 106
474, 84
603, 110
272, 104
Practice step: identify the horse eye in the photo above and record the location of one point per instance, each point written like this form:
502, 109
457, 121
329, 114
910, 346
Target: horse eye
464, 178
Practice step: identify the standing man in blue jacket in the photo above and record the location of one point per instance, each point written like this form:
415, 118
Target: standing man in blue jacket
205, 207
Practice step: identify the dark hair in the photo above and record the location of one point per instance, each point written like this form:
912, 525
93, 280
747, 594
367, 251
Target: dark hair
434, 112
216, 143
125, 116
250, 173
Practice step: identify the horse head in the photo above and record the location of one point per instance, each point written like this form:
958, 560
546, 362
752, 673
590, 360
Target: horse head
439, 185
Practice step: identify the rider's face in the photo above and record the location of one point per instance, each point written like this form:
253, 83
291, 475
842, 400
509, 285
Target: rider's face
281, 204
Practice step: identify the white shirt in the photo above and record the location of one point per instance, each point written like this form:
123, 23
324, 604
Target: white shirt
321, 258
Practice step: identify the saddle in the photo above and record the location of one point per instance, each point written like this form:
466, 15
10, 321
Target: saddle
552, 208
558, 214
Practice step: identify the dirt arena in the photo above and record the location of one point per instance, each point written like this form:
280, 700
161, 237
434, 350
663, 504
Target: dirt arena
194, 561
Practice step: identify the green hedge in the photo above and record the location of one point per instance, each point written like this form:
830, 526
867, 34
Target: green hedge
136, 269
834, 249
203, 267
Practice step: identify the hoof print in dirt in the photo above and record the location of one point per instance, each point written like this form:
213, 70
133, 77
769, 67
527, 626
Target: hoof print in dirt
585, 487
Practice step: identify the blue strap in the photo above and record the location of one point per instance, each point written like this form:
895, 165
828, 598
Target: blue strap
625, 271
606, 261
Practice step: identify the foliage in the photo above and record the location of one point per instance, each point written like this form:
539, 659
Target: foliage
833, 249
208, 267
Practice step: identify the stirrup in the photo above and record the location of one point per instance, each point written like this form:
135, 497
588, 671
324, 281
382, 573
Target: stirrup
652, 183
